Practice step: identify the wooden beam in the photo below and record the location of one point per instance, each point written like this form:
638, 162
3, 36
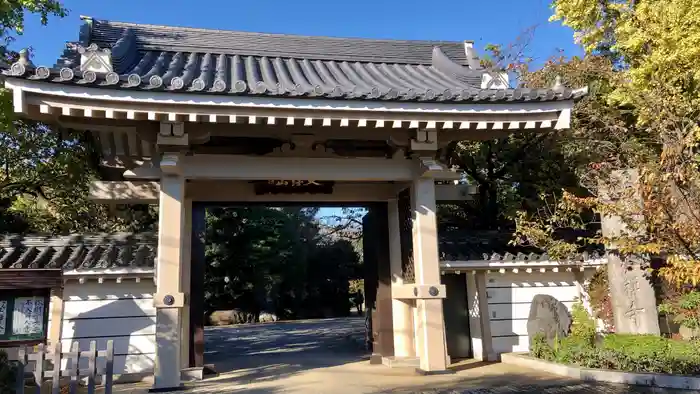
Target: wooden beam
125, 192
447, 193
147, 192
30, 278
240, 167
317, 169
217, 191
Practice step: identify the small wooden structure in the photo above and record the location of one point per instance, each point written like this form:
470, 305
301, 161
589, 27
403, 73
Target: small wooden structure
33, 363
24, 305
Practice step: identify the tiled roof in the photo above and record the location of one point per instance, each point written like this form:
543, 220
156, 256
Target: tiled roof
494, 246
182, 39
114, 251
78, 252
153, 58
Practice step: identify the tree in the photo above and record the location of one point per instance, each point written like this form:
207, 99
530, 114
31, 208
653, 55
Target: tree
276, 260
12, 15
45, 173
511, 171
642, 113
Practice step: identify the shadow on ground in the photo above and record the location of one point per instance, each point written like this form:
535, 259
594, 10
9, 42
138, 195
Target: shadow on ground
327, 356
253, 354
522, 383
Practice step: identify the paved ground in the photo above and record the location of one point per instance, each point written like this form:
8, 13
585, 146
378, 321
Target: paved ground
326, 356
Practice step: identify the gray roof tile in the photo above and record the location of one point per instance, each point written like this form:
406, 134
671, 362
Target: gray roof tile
496, 246
149, 57
78, 252
108, 34
113, 251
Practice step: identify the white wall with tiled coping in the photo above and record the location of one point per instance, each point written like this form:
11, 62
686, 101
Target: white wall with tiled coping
600, 375
509, 297
121, 312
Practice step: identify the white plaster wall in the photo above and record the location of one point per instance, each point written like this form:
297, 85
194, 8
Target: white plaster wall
509, 296
121, 312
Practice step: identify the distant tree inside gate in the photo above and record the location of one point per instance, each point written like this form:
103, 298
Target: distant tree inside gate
276, 260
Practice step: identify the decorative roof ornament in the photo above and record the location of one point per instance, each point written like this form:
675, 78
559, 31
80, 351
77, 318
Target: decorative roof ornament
495, 80
95, 59
558, 85
471, 75
22, 65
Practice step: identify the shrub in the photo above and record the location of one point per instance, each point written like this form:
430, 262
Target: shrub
685, 309
582, 324
539, 348
599, 297
622, 352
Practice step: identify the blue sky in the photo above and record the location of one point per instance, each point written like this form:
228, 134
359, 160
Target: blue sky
484, 22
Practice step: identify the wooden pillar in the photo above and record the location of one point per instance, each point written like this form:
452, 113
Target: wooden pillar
431, 324
371, 266
185, 284
384, 327
169, 299
401, 310
479, 319
196, 342
56, 313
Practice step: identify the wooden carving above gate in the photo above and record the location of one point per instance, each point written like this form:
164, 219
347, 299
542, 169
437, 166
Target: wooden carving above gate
293, 187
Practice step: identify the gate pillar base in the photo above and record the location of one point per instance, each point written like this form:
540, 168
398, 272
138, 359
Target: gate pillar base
401, 362
167, 389
194, 374
430, 373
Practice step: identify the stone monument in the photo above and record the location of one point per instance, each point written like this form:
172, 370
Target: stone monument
632, 293
548, 316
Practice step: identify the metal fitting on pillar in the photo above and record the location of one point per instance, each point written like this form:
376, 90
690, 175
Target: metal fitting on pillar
171, 163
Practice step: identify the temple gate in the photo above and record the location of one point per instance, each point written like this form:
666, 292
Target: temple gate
187, 116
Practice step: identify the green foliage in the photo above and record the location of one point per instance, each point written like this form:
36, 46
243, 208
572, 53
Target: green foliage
44, 184
620, 352
12, 15
642, 113
656, 42
512, 171
583, 326
45, 173
539, 348
599, 298
685, 309
624, 352
277, 260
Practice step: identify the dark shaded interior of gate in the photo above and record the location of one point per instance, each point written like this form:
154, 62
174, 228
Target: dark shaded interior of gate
376, 327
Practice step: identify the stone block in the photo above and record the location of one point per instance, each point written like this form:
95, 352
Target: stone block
633, 297
548, 316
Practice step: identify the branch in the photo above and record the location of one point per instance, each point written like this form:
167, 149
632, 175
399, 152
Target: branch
473, 172
519, 154
679, 238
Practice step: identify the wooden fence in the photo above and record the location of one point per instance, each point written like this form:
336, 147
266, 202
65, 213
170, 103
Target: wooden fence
73, 371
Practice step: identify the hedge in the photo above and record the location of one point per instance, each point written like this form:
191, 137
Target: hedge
621, 352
